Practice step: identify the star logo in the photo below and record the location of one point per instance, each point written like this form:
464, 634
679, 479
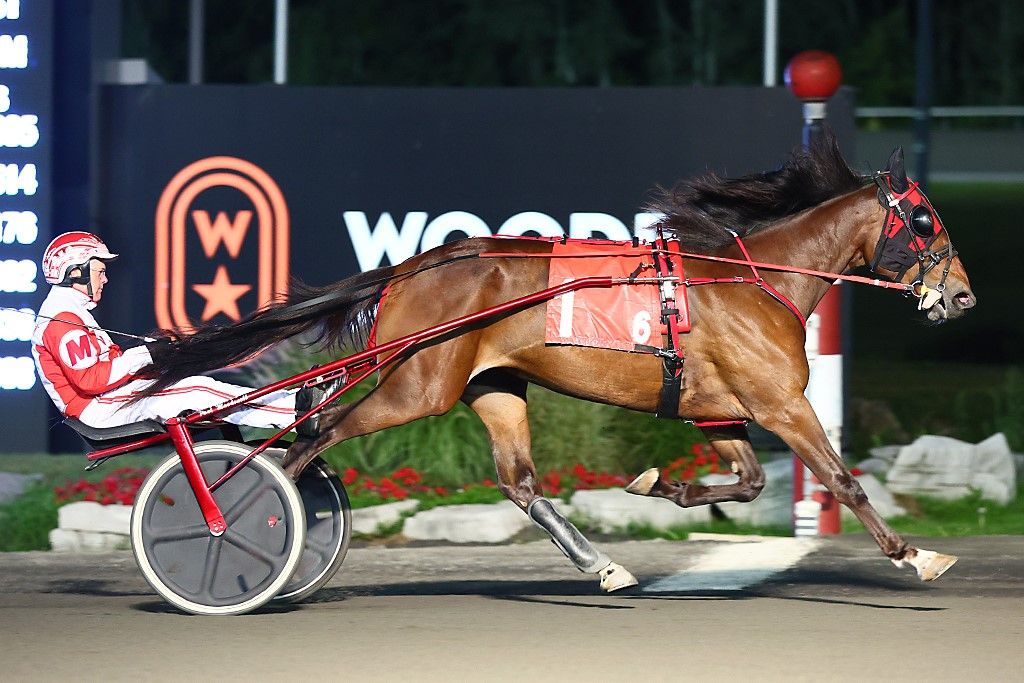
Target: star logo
221, 296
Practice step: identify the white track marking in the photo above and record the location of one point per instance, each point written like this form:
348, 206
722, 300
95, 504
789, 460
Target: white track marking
734, 566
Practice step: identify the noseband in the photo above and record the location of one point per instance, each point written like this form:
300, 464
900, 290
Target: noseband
911, 226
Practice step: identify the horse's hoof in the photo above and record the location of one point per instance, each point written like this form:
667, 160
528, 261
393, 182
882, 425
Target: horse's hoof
643, 484
930, 565
615, 577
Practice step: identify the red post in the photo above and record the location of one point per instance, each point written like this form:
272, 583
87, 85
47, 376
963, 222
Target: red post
814, 76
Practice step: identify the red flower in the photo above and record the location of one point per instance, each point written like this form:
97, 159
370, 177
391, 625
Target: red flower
350, 476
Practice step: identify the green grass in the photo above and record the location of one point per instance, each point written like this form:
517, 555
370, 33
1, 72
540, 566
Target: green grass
28, 520
933, 517
472, 495
453, 449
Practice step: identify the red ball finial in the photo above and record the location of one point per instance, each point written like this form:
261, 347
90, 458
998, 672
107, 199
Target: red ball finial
813, 75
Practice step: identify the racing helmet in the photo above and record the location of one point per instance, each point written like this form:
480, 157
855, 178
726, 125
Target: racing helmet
71, 250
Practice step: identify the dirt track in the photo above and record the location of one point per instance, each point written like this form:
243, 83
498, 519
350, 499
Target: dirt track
521, 613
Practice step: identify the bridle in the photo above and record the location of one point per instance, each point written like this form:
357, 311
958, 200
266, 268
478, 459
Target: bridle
911, 226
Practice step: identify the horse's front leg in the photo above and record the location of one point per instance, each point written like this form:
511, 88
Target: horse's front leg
500, 401
795, 422
731, 443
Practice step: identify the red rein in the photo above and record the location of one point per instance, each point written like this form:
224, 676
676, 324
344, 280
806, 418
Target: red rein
753, 265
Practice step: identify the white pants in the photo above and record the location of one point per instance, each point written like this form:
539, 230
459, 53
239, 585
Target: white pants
111, 409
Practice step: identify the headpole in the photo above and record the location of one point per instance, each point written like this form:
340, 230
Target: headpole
814, 76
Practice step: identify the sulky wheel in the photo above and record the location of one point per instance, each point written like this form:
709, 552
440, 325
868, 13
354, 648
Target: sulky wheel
233, 573
328, 528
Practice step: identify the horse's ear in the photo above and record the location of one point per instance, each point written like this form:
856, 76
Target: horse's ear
897, 170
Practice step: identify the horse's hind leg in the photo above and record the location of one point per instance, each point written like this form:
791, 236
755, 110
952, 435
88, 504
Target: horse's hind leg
797, 425
730, 442
500, 400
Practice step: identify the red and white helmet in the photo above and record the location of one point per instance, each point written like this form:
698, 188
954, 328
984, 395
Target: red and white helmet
72, 249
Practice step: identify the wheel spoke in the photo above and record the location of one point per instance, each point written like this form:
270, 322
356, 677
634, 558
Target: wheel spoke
176, 534
322, 549
210, 567
243, 503
242, 543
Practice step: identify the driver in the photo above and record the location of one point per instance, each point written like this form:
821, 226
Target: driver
90, 378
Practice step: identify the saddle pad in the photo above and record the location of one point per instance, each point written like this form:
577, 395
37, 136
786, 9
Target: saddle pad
617, 317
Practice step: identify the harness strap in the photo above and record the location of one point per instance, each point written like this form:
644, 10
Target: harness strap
771, 291
672, 354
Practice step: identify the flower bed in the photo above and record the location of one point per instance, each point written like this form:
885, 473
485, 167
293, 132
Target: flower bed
117, 488
121, 485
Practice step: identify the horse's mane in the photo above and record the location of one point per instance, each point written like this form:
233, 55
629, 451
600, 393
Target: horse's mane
698, 211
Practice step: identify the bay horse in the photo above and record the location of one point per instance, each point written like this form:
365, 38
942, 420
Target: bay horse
744, 356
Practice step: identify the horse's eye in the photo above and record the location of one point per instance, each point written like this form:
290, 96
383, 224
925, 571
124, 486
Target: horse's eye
921, 222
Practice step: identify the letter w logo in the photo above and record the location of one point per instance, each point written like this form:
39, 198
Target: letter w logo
231, 233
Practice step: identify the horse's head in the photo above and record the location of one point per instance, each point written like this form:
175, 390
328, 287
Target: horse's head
914, 246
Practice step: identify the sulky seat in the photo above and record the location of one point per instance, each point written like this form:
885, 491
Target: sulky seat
104, 437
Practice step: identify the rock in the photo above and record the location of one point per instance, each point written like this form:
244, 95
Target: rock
613, 509
70, 541
876, 466
993, 456
368, 521
946, 468
90, 516
477, 523
993, 488
774, 507
880, 498
886, 453
13, 485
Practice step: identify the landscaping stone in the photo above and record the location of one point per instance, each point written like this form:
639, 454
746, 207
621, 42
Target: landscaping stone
475, 523
368, 520
887, 453
70, 541
90, 516
13, 485
774, 507
880, 498
876, 466
612, 509
947, 468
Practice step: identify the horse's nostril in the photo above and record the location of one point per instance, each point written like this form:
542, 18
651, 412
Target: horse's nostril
964, 300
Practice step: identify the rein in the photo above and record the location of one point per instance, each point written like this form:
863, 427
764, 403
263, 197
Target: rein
746, 261
71, 322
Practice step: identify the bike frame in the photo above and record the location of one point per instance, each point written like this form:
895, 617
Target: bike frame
353, 369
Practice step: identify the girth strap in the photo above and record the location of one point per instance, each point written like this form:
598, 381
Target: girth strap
672, 354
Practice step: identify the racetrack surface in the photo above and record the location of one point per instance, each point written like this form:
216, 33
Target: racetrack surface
521, 612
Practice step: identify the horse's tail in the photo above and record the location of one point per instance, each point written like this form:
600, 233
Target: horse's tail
344, 312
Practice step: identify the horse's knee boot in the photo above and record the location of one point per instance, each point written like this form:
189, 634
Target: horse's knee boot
567, 537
